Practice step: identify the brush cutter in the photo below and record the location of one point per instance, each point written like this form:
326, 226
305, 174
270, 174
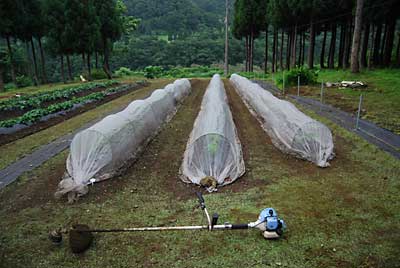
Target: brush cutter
81, 236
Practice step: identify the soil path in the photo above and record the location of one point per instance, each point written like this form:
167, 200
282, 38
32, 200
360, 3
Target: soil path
383, 138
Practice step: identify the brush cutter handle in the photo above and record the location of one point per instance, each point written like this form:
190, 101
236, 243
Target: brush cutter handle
239, 226
201, 200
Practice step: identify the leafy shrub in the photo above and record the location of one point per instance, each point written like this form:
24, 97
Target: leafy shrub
23, 81
198, 71
307, 76
98, 74
123, 71
152, 72
9, 86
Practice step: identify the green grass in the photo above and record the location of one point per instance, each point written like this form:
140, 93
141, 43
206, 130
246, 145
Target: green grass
345, 216
381, 103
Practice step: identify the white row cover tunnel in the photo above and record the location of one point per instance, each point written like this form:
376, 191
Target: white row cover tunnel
99, 152
290, 130
213, 149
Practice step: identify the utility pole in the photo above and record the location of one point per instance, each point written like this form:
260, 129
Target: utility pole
226, 69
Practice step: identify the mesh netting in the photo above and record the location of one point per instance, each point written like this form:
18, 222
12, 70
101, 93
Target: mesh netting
290, 130
100, 151
213, 149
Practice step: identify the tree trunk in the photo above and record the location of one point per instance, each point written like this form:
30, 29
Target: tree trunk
303, 50
332, 48
281, 51
300, 49
62, 68
83, 63
43, 60
398, 52
266, 51
252, 52
347, 45
1, 79
288, 49
364, 47
341, 44
89, 66
96, 55
377, 44
226, 38
29, 67
34, 63
383, 44
372, 47
294, 42
311, 47
387, 55
69, 69
322, 58
355, 67
11, 53
274, 51
247, 53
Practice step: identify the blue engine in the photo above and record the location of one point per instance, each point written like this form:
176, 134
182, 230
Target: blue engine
272, 221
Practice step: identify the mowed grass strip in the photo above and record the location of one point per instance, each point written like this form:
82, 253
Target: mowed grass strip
11, 152
347, 215
381, 97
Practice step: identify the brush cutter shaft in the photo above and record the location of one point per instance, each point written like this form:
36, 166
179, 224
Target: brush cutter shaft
170, 228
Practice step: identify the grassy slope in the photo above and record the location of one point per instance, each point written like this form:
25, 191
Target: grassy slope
16, 150
381, 99
345, 216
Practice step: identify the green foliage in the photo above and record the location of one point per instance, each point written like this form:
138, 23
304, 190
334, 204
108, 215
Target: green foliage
23, 81
200, 71
9, 86
98, 74
123, 71
254, 75
307, 76
152, 72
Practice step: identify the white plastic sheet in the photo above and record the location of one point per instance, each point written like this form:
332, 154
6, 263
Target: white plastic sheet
99, 152
290, 130
213, 149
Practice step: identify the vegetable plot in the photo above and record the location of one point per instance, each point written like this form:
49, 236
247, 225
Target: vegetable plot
290, 130
213, 151
36, 114
99, 152
36, 100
